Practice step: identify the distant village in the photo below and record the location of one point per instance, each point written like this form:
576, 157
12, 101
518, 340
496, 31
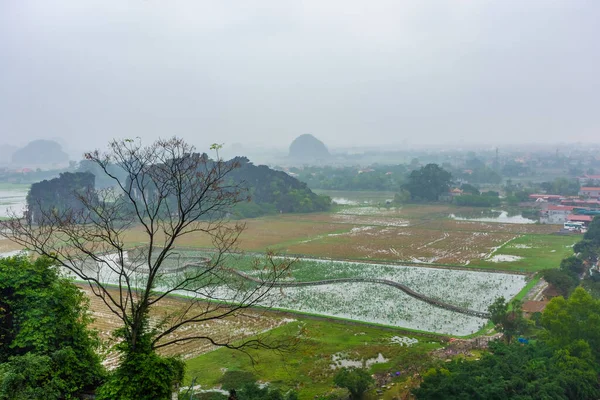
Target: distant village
574, 212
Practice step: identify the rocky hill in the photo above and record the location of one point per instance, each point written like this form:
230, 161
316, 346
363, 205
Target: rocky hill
40, 152
308, 148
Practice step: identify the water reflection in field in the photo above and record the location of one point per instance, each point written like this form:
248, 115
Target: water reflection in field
12, 201
492, 216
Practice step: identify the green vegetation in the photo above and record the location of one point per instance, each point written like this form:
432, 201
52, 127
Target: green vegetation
508, 318
563, 281
514, 372
356, 380
477, 200
562, 186
46, 350
562, 364
59, 196
428, 183
375, 178
538, 252
307, 366
142, 374
272, 191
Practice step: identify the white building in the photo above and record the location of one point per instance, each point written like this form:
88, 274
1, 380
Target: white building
555, 214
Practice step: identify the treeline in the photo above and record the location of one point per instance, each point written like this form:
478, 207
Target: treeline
273, 191
561, 363
269, 191
376, 177
581, 267
58, 196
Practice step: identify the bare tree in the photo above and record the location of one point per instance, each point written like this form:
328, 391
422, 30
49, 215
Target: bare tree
123, 240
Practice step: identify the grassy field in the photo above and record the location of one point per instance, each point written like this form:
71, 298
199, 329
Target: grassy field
535, 252
308, 367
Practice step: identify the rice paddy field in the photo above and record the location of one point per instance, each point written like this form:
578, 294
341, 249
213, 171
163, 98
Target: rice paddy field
461, 256
382, 304
226, 330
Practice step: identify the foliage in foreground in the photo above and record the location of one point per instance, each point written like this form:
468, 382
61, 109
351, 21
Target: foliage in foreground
563, 365
356, 380
249, 391
515, 371
46, 350
142, 375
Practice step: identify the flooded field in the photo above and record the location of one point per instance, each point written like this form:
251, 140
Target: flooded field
491, 216
12, 199
345, 197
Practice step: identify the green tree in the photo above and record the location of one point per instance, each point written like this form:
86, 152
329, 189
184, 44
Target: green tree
356, 380
428, 182
142, 374
563, 281
569, 320
466, 188
46, 349
593, 232
572, 264
515, 372
587, 249
508, 318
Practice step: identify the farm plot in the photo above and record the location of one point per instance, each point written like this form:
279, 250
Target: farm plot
405, 244
469, 289
350, 219
8, 248
409, 211
372, 301
457, 225
260, 233
367, 302
381, 304
250, 323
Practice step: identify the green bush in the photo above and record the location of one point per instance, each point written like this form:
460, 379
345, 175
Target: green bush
142, 374
236, 379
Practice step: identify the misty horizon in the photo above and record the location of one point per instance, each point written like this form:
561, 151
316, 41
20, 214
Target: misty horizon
350, 73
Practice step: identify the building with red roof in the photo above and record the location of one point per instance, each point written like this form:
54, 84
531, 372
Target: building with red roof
554, 198
586, 219
589, 203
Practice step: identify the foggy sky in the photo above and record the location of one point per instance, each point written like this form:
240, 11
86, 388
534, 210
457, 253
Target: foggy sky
263, 72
